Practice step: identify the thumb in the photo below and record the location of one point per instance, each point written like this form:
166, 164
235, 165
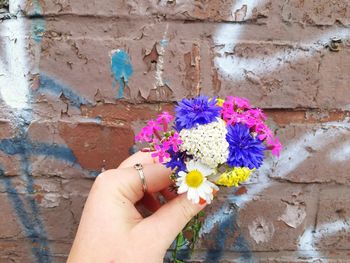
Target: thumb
171, 218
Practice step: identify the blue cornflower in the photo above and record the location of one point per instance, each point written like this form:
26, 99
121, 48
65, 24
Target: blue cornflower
199, 110
245, 150
176, 161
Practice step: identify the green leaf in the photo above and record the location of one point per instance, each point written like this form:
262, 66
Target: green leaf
180, 240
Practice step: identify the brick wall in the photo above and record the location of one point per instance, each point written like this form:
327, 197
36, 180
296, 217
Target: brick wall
79, 78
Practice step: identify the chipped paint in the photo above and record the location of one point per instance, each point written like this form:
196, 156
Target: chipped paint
261, 231
294, 215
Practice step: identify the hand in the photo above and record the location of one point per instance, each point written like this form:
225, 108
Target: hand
111, 228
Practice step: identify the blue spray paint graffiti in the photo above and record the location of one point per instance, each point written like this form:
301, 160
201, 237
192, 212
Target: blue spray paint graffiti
164, 42
38, 29
32, 226
122, 70
226, 229
30, 220
24, 205
50, 85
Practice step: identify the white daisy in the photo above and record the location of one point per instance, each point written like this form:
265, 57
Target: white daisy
195, 182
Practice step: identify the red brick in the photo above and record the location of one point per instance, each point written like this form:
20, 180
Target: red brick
125, 111
96, 146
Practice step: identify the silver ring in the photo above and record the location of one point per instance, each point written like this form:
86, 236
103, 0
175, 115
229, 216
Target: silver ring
139, 169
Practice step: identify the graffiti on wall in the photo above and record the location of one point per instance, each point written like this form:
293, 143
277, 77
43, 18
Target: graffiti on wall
16, 93
233, 67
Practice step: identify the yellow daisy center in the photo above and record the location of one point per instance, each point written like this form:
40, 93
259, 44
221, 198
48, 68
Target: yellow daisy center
194, 179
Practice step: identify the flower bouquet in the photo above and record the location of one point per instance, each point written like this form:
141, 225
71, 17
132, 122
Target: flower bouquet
210, 142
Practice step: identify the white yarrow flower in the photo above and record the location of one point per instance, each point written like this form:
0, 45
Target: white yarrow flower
195, 182
207, 143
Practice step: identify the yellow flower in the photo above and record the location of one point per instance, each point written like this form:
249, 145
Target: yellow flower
220, 102
234, 176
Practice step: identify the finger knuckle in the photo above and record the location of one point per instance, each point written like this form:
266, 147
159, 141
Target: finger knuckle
106, 177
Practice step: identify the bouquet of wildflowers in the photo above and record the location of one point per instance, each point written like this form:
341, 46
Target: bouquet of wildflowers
209, 143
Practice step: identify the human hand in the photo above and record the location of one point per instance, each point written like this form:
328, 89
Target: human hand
111, 228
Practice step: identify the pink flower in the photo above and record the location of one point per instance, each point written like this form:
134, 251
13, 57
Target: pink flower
161, 153
174, 141
257, 114
275, 144
164, 119
153, 125
165, 116
227, 109
230, 109
247, 119
241, 103
144, 135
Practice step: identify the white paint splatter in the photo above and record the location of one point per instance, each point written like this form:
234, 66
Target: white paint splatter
160, 62
234, 67
14, 83
341, 154
261, 230
307, 241
297, 151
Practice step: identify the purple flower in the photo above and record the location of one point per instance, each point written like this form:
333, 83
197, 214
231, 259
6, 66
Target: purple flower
245, 150
199, 110
176, 161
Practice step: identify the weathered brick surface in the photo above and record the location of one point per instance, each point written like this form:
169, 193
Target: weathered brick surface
63, 118
316, 12
182, 10
270, 74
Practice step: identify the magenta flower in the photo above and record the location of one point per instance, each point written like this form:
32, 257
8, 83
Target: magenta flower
174, 141
263, 131
275, 144
241, 103
145, 135
161, 153
227, 111
164, 119
232, 107
257, 114
248, 119
235, 118
153, 125
165, 116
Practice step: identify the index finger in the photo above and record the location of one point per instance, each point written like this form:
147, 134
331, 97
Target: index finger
157, 177
138, 157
